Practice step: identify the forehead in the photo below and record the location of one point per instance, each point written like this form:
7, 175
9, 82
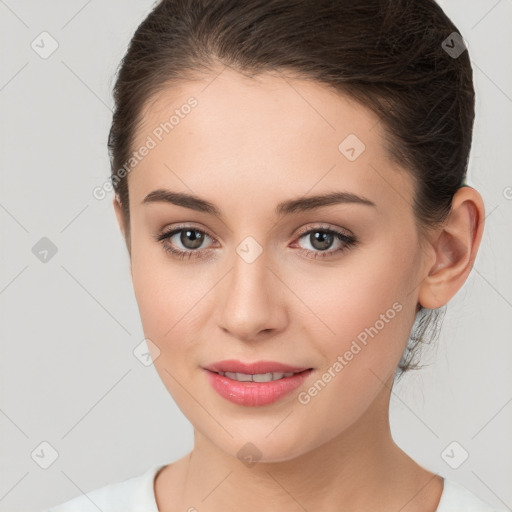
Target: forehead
286, 136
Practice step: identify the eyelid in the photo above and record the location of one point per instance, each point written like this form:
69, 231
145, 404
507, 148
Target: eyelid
324, 227
177, 227
342, 234
166, 233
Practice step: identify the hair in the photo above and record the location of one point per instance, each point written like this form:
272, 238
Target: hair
388, 55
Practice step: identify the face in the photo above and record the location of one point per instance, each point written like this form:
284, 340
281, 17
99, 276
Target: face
324, 285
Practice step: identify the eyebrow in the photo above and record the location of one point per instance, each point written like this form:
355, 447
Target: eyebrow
287, 207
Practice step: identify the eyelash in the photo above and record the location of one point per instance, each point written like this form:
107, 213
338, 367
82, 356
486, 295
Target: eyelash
348, 242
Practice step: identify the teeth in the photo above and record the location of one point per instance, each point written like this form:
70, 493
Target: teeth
258, 377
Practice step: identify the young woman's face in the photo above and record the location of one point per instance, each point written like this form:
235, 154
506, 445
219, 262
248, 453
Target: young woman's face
261, 284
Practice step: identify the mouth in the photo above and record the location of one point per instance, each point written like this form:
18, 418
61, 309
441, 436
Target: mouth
259, 377
268, 369
252, 384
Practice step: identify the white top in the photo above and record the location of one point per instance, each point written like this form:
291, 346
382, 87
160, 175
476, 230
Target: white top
137, 495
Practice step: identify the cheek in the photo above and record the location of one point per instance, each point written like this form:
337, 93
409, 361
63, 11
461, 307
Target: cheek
159, 290
167, 298
370, 311
174, 299
364, 308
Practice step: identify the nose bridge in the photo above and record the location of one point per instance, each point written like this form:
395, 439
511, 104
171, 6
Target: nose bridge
249, 278
249, 303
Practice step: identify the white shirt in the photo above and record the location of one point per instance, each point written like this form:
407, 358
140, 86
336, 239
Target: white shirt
137, 495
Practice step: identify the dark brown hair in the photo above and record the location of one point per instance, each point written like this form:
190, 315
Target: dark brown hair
391, 56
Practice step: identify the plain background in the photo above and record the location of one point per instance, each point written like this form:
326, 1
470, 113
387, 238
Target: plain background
69, 325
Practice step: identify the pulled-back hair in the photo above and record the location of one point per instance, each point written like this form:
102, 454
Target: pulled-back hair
392, 56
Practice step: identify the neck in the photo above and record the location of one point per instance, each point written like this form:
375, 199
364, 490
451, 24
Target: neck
361, 469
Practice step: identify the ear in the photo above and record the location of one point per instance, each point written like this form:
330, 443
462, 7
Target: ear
119, 215
120, 221
455, 246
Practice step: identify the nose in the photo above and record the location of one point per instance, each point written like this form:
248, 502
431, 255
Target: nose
252, 300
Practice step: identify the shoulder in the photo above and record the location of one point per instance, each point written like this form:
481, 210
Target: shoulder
457, 498
133, 495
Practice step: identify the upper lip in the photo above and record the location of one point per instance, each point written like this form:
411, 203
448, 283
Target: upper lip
235, 366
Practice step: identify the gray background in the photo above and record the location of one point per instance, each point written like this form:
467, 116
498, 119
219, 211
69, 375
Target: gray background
69, 325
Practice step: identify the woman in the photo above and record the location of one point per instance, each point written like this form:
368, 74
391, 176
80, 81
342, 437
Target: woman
290, 184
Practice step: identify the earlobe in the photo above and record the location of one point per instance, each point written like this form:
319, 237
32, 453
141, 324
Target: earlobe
455, 247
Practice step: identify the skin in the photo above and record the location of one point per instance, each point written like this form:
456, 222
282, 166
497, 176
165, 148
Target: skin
249, 144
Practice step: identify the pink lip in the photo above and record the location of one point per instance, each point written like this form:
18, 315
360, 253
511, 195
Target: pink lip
253, 394
232, 365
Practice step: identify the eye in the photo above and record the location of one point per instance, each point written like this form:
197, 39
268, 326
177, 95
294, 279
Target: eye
190, 238
322, 238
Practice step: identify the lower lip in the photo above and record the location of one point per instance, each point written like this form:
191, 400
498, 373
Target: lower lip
252, 394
